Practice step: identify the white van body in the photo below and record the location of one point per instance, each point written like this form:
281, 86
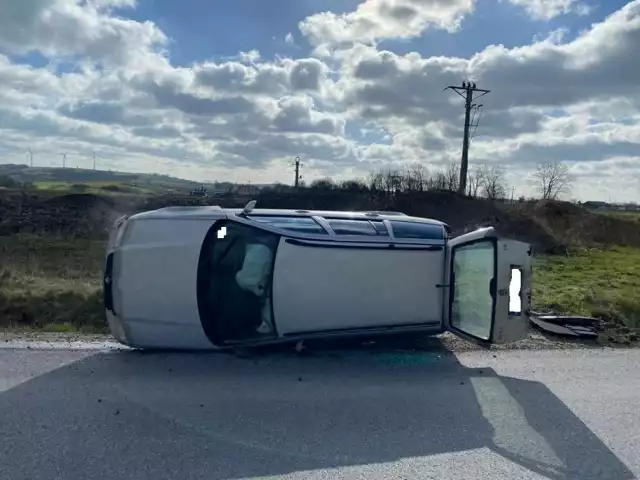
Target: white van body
328, 273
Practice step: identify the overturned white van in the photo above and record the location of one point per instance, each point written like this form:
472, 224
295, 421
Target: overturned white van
208, 277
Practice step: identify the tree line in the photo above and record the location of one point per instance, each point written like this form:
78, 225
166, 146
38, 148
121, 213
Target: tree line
551, 181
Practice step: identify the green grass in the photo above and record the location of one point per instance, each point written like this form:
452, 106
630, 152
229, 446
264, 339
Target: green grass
598, 283
634, 216
51, 284
95, 187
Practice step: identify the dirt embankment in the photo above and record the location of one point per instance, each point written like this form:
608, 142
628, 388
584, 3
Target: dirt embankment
551, 227
577, 227
74, 215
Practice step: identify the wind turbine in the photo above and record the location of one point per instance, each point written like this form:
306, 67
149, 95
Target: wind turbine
30, 154
64, 160
94, 160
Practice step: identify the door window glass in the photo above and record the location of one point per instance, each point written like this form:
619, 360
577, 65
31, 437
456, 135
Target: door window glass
473, 273
371, 228
295, 224
380, 227
423, 231
352, 227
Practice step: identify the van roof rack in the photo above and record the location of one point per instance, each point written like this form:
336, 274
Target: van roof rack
382, 212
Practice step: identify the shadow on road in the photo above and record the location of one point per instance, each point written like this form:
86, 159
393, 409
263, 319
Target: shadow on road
182, 416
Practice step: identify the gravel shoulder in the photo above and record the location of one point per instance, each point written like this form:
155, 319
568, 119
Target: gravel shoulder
446, 341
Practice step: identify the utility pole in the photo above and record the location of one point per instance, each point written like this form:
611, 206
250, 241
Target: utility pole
297, 166
467, 92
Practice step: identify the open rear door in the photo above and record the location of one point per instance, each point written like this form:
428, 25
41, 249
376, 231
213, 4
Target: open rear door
489, 281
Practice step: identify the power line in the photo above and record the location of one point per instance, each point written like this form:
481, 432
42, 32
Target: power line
473, 115
475, 126
467, 91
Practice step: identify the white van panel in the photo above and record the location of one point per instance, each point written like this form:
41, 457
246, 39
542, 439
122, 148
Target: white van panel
334, 289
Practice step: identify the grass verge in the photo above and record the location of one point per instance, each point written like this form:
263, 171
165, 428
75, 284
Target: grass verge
94, 187
599, 283
51, 284
633, 216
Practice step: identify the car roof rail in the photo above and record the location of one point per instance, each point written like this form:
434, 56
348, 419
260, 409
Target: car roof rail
377, 213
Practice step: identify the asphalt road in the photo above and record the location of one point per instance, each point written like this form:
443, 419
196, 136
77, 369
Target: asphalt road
341, 413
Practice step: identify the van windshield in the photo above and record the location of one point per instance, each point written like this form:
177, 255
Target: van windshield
235, 283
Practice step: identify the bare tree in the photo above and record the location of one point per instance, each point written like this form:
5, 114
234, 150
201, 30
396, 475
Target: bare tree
354, 185
452, 174
388, 181
438, 181
474, 181
323, 184
395, 181
376, 181
417, 176
553, 180
492, 182
392, 181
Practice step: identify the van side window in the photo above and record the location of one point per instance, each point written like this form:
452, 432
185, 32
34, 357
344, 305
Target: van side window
422, 231
358, 227
352, 227
295, 224
380, 227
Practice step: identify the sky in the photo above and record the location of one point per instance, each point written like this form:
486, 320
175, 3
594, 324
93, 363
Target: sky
217, 90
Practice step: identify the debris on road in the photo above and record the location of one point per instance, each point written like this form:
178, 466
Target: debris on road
584, 328
556, 326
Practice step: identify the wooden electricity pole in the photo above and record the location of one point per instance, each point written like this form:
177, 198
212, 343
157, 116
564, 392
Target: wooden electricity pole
467, 92
297, 166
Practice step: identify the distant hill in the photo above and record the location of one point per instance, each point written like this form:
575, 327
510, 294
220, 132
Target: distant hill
23, 173
80, 179
65, 178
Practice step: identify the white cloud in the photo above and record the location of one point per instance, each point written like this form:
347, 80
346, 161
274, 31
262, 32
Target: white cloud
148, 107
305, 74
72, 27
288, 39
550, 101
380, 19
363, 108
548, 9
113, 3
